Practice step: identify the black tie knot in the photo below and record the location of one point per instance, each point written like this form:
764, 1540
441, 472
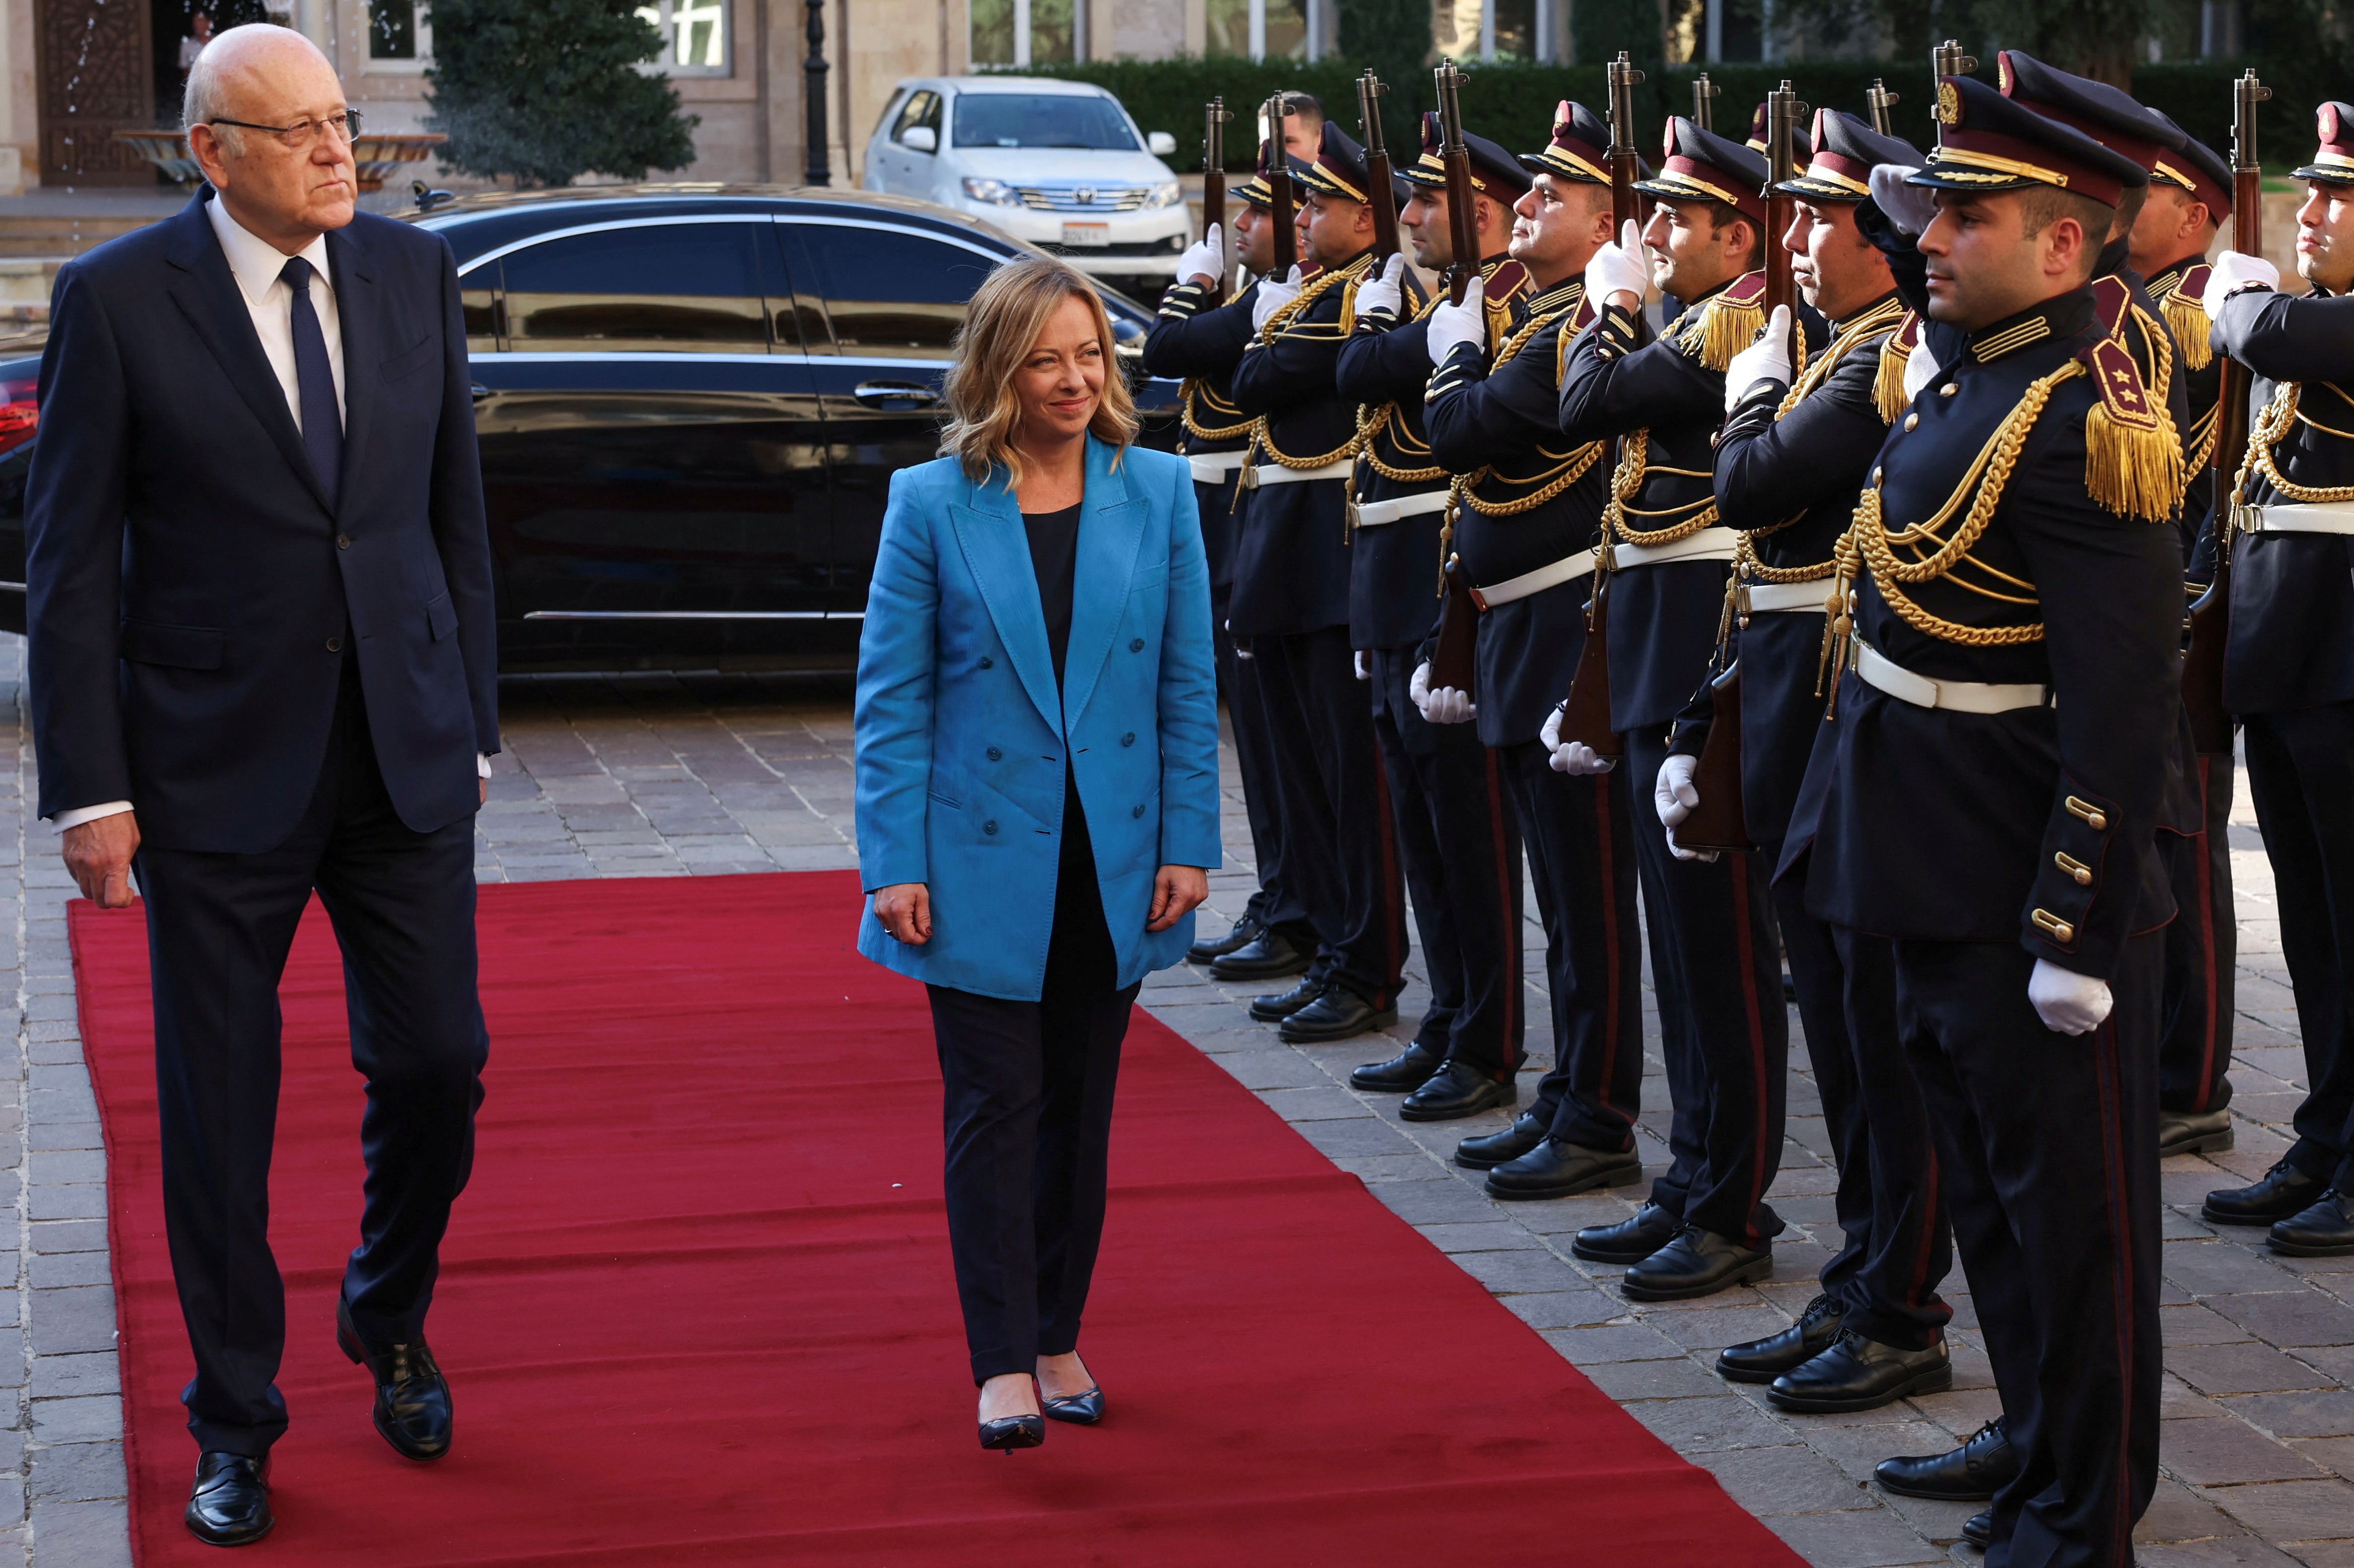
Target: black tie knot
296, 275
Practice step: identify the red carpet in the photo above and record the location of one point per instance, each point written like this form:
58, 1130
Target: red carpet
697, 1306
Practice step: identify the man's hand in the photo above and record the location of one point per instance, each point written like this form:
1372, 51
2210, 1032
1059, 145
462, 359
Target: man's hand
906, 910
1616, 273
1205, 261
2068, 1002
1440, 705
1386, 294
2230, 272
1450, 324
1676, 797
1176, 892
1910, 208
1576, 758
1273, 296
97, 852
1767, 359
481, 791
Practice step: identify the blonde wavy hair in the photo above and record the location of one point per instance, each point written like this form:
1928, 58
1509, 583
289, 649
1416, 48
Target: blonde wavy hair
1000, 326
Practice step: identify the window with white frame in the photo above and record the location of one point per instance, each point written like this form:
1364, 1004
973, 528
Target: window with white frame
1028, 32
1492, 29
1264, 30
695, 35
399, 33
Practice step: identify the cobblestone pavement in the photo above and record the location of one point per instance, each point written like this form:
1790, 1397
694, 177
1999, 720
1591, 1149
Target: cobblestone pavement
653, 775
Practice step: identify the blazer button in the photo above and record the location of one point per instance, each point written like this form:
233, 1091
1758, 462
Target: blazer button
1138, 813
996, 754
1136, 644
1128, 739
988, 663
335, 644
1911, 421
989, 827
343, 541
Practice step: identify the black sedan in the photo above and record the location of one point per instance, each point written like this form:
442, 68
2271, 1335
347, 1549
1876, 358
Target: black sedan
691, 400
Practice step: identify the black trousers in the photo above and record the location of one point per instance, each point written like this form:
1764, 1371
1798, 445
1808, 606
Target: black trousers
1579, 838
219, 929
1462, 865
1027, 1113
2301, 777
1340, 840
2049, 1143
2194, 1054
1275, 904
1722, 1027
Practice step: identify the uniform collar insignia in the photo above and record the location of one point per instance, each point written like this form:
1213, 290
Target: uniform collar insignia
2063, 317
2111, 300
1839, 326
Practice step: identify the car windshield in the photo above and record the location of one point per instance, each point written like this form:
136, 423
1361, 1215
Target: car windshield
1022, 120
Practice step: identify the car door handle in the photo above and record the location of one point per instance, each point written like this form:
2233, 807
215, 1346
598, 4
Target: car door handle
882, 394
479, 391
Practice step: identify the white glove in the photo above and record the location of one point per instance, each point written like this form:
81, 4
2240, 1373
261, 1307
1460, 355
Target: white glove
1921, 368
1910, 208
1450, 324
2068, 1002
1205, 258
1676, 797
1272, 296
1445, 704
1384, 293
1767, 359
1576, 758
1619, 268
1363, 673
2234, 270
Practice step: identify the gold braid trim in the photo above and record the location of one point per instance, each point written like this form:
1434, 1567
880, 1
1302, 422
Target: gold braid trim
1723, 328
1888, 386
1627, 482
1882, 317
1194, 394
1573, 466
2137, 470
2280, 415
1370, 422
2187, 319
2202, 443
1346, 277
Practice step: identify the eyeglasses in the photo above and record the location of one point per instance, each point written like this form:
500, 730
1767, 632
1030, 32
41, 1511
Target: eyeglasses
344, 127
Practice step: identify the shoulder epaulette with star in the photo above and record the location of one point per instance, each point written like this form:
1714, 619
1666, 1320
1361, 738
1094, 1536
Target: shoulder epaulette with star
1888, 385
2133, 464
1509, 282
1725, 322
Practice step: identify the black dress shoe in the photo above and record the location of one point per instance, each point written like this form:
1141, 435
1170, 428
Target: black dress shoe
1401, 1074
1763, 1360
1491, 1149
412, 1398
1013, 1432
2284, 1191
1978, 1529
1628, 1241
1270, 955
1974, 1472
1078, 1409
1696, 1263
1245, 931
229, 1504
2325, 1230
1282, 1004
1338, 1014
1560, 1169
1857, 1373
2184, 1132
1457, 1090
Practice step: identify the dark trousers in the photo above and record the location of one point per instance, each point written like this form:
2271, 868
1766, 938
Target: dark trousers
1462, 863
218, 930
1340, 840
2048, 1144
2301, 777
2202, 945
1578, 836
1722, 1027
1275, 904
1027, 1112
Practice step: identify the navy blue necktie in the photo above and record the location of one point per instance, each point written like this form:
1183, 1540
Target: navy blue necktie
314, 378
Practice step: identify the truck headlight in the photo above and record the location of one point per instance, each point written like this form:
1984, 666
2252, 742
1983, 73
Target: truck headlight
1168, 192
997, 193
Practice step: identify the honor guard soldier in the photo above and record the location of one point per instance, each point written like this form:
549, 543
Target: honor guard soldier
1985, 792
1723, 1029
1202, 347
1529, 513
2288, 668
1462, 859
1292, 602
1797, 448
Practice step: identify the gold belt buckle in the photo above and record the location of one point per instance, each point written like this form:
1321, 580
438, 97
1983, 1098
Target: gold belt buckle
1352, 511
2247, 519
1249, 481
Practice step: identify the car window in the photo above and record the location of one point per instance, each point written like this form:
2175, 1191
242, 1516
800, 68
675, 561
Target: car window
1042, 119
686, 288
891, 293
923, 109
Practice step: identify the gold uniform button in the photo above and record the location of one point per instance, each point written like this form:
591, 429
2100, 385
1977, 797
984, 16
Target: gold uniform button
1911, 420
2073, 867
2095, 818
2053, 927
1948, 391
1875, 476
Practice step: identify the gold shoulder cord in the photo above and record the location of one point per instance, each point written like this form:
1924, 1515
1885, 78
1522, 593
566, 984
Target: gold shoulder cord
2271, 426
1262, 438
1195, 394
1371, 421
1573, 466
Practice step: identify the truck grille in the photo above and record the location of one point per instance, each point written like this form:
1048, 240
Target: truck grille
1076, 197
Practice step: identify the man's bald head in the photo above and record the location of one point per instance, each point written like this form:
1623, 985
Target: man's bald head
234, 77
268, 76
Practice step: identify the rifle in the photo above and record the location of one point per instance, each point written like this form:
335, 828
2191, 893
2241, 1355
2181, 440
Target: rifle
1782, 112
1703, 91
2210, 616
1947, 59
1880, 101
1278, 185
1381, 192
1214, 115
1462, 210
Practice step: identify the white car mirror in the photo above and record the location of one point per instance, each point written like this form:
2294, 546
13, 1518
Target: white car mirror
924, 139
1161, 144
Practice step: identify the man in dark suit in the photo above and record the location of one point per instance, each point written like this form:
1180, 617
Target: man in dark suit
263, 664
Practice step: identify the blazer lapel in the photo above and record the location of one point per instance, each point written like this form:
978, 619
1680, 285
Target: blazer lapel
989, 534
1111, 524
357, 314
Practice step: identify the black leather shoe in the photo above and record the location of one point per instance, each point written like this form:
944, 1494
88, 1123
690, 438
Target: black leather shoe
1978, 1529
1763, 1360
1857, 1373
1457, 1090
2181, 1132
1243, 934
1338, 1014
2284, 1191
1628, 1241
1696, 1263
1560, 1169
1974, 1472
2325, 1230
1270, 955
1491, 1149
1013, 1432
1401, 1074
1282, 1004
229, 1504
412, 1398
1078, 1409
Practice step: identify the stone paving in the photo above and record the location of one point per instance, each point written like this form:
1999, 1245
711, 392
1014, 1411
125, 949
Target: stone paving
655, 775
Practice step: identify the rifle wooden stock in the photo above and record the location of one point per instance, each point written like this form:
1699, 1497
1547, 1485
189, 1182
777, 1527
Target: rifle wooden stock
1782, 111
1451, 662
1213, 179
1279, 185
1718, 823
1381, 197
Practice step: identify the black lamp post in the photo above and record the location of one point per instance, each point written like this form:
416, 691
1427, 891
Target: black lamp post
814, 85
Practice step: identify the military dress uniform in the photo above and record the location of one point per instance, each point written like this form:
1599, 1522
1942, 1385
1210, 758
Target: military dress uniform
1528, 513
1986, 794
1455, 833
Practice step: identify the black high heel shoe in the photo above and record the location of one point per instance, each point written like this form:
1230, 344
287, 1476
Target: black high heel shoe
1080, 1409
1013, 1432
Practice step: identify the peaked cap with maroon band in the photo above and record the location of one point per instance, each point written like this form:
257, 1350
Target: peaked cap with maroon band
1802, 145
2194, 167
2098, 110
1579, 148
1987, 142
1495, 174
2333, 163
1701, 166
1340, 169
1258, 192
1847, 149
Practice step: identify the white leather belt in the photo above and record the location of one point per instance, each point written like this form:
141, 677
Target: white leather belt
1212, 467
1275, 473
1708, 545
2325, 517
1567, 569
1375, 514
1804, 598
1956, 697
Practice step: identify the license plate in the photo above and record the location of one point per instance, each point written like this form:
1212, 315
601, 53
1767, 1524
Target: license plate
1087, 234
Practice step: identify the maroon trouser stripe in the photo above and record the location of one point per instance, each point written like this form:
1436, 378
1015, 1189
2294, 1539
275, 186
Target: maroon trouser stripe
1606, 1090
2209, 1021
2113, 1182
1508, 917
1743, 941
1392, 886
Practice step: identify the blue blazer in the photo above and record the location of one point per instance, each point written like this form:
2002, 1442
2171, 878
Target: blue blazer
962, 735
192, 591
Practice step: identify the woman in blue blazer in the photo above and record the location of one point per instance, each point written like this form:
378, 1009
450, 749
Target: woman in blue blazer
1038, 736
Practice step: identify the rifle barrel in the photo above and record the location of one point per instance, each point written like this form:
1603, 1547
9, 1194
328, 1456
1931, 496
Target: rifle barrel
1462, 211
1279, 182
1214, 115
1383, 194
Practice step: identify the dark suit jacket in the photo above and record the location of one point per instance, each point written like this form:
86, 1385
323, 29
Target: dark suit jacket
186, 575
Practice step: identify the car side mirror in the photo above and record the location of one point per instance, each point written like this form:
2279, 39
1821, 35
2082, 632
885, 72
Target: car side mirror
1160, 144
924, 139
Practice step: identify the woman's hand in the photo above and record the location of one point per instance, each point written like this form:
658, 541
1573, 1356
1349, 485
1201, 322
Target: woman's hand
1176, 892
906, 910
